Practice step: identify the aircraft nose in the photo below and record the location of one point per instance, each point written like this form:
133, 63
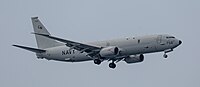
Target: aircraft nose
180, 42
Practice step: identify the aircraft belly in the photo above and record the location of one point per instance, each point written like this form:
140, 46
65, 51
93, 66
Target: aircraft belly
76, 57
81, 57
139, 49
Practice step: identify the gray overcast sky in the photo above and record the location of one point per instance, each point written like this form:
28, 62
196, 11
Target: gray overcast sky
91, 20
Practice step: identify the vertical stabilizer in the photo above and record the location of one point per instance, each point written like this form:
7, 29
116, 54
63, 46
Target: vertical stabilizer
42, 42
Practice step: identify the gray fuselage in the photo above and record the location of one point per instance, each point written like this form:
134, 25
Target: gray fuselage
127, 46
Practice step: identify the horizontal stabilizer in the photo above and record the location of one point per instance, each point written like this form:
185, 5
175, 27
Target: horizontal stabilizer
31, 49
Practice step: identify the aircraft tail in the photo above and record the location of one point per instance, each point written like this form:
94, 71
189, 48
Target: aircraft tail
43, 42
30, 49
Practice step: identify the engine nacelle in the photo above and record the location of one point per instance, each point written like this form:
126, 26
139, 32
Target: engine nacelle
134, 58
111, 51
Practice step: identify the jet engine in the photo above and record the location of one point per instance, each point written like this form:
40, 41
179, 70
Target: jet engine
111, 51
134, 58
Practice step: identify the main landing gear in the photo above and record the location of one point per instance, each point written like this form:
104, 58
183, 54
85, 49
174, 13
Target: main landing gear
112, 65
97, 61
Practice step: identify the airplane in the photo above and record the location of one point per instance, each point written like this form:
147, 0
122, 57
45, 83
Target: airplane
130, 49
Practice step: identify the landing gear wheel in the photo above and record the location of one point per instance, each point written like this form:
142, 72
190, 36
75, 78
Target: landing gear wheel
112, 65
97, 61
165, 56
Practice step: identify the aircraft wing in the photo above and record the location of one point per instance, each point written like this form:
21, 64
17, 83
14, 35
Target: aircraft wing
90, 49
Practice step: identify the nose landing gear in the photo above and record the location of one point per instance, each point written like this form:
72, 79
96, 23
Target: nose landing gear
167, 51
165, 55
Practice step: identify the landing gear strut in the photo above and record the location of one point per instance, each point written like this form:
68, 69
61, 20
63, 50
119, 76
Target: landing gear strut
112, 65
167, 51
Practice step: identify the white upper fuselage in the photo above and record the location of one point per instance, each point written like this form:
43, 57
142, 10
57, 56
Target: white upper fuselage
127, 46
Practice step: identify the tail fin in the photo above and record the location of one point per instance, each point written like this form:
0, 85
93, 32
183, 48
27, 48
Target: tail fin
42, 42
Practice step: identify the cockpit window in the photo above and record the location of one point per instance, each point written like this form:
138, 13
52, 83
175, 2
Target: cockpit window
170, 37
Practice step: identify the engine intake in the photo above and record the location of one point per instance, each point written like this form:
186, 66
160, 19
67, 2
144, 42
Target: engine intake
134, 58
111, 51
